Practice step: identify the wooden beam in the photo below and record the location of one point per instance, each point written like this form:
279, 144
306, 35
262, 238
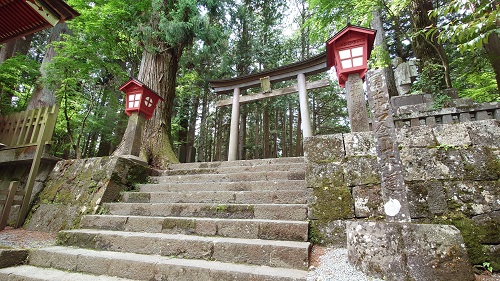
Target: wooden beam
307, 67
279, 92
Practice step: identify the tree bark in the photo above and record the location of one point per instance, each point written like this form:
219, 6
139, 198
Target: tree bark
266, 153
382, 45
42, 95
298, 137
7, 51
427, 50
203, 127
192, 126
493, 51
158, 71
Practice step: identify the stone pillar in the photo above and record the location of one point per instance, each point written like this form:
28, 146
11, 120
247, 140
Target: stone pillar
233, 134
356, 104
394, 191
132, 139
304, 106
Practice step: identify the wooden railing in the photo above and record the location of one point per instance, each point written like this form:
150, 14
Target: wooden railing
24, 136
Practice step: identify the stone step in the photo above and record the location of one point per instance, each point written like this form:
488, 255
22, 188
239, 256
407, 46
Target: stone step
294, 212
234, 197
298, 167
236, 228
232, 177
274, 253
238, 163
154, 267
32, 273
227, 186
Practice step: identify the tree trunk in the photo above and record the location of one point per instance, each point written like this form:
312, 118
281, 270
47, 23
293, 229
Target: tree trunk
257, 134
42, 95
7, 51
265, 128
242, 141
218, 136
158, 71
426, 49
192, 127
283, 134
493, 51
298, 137
202, 138
290, 130
381, 44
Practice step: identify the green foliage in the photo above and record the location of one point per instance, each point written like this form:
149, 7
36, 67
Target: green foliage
381, 58
467, 23
429, 81
17, 78
473, 76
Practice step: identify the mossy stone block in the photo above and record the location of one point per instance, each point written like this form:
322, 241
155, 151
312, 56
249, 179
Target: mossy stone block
359, 144
326, 148
361, 171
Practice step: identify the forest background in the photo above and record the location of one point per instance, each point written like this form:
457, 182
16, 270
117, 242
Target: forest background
176, 46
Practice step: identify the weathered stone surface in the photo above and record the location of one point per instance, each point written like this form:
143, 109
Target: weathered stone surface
417, 163
359, 144
368, 201
397, 251
319, 175
361, 171
411, 137
452, 135
326, 148
78, 187
12, 257
331, 233
490, 224
427, 199
480, 163
356, 104
493, 254
473, 197
53, 217
484, 132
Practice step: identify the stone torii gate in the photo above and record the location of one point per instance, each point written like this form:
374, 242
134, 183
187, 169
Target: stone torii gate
299, 71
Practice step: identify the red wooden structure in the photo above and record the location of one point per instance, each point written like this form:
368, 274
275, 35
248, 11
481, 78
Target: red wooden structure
139, 98
349, 50
22, 17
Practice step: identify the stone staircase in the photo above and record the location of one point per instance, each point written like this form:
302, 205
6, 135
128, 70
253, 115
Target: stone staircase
240, 220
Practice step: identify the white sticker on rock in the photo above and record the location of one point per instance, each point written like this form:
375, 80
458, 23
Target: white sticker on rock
392, 207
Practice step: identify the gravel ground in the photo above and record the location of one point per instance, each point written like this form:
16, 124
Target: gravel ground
332, 265
21, 238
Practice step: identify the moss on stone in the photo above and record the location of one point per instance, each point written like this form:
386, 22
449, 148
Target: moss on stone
332, 203
316, 236
472, 233
181, 224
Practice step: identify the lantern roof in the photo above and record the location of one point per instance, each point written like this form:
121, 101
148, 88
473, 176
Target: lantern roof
136, 83
23, 17
349, 30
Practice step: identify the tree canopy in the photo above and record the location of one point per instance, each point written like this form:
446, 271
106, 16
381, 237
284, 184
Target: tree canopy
175, 47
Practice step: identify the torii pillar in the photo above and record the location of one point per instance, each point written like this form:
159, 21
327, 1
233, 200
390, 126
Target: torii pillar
235, 116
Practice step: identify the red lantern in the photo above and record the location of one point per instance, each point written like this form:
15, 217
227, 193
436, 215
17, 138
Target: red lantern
139, 98
349, 50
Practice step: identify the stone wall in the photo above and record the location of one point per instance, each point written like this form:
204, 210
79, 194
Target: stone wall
19, 172
452, 173
78, 187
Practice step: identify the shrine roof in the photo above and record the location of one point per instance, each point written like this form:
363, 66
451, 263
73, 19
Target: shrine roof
22, 17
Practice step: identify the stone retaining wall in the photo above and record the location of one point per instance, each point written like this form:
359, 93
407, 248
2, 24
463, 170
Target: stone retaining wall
452, 173
78, 187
